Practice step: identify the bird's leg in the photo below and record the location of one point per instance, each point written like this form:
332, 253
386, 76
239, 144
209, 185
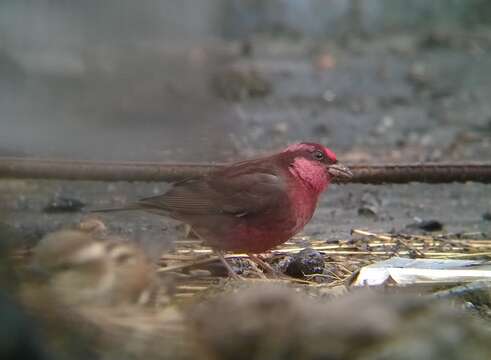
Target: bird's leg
276, 273
263, 264
258, 271
187, 231
225, 263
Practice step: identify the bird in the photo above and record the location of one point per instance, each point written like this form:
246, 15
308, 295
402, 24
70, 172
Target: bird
254, 205
82, 269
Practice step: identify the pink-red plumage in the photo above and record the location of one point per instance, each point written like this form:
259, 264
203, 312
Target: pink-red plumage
254, 205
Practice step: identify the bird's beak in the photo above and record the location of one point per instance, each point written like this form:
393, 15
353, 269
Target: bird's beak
339, 172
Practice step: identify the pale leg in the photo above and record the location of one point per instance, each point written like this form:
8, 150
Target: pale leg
256, 268
263, 264
276, 274
225, 263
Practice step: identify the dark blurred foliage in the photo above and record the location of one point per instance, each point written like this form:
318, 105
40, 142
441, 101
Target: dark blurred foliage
273, 322
19, 336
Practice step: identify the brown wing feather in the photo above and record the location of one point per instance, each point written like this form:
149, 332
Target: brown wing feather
238, 190
189, 197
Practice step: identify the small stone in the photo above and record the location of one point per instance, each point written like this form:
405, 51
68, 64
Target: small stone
240, 266
486, 216
239, 83
437, 39
329, 96
306, 262
369, 205
280, 128
426, 225
418, 75
325, 61
320, 129
64, 204
367, 210
282, 264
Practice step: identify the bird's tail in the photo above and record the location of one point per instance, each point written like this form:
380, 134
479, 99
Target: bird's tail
124, 208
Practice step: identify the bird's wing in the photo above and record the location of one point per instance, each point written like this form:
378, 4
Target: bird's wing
238, 193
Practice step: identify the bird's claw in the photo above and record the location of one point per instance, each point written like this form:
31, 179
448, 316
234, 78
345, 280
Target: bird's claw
229, 268
266, 267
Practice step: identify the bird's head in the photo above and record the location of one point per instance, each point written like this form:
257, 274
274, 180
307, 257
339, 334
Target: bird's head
315, 165
66, 250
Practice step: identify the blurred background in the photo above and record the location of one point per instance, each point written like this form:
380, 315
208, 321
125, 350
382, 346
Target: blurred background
217, 80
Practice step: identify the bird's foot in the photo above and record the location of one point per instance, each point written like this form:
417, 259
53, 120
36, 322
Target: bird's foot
272, 272
257, 270
266, 267
229, 268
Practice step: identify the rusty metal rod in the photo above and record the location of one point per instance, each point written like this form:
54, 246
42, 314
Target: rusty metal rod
28, 168
423, 173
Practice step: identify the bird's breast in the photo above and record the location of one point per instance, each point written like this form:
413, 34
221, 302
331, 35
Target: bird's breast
303, 204
259, 232
274, 228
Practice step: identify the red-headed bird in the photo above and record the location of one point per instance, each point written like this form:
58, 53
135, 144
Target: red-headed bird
253, 205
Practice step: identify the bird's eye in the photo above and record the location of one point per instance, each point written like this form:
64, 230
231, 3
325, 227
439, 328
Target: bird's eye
318, 155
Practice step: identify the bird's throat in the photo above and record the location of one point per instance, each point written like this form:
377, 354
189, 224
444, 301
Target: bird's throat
311, 174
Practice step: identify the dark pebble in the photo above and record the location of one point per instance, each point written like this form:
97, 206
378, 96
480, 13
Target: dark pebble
486, 216
370, 211
237, 84
369, 205
240, 266
64, 204
21, 341
426, 225
320, 129
280, 264
306, 262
